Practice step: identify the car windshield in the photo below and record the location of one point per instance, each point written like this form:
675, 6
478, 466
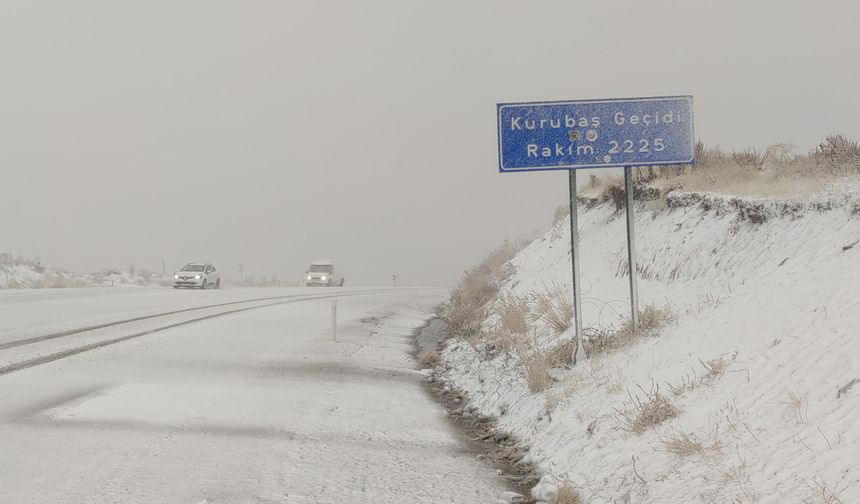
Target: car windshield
321, 268
193, 267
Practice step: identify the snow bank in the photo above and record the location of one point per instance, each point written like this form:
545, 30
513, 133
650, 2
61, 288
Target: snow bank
766, 295
21, 273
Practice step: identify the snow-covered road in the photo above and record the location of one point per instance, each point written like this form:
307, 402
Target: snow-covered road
254, 406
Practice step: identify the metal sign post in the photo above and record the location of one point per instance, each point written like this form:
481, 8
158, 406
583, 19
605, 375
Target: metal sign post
579, 351
570, 135
631, 248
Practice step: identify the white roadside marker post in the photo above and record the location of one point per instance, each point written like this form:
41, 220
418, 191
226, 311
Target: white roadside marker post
631, 248
579, 351
334, 320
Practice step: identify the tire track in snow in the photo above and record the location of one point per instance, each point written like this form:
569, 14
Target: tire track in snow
44, 359
71, 332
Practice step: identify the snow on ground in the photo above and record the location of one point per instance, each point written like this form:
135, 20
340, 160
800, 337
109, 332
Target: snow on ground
248, 408
770, 288
33, 312
22, 273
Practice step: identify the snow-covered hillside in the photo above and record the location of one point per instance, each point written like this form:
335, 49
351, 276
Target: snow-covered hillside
755, 374
21, 273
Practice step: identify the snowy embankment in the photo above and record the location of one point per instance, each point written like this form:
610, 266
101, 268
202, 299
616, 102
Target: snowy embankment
751, 384
21, 273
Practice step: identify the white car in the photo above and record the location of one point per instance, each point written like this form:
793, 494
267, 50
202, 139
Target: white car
197, 276
321, 274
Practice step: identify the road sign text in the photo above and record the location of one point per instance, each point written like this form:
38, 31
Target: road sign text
595, 133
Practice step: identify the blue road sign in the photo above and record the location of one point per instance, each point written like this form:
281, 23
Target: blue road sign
596, 133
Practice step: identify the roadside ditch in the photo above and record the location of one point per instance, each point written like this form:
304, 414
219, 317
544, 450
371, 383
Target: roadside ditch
481, 434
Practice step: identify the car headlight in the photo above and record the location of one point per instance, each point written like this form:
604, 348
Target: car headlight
197, 277
309, 278
323, 278
176, 277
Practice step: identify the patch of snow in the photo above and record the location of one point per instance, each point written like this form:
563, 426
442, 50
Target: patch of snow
776, 298
256, 407
22, 273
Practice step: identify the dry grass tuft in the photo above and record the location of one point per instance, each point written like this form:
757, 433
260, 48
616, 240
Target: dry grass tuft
644, 414
501, 341
510, 324
824, 493
838, 153
467, 307
429, 359
714, 368
749, 158
651, 320
555, 308
780, 170
512, 313
567, 494
685, 444
562, 354
654, 318
687, 384
798, 400
536, 369
745, 494
537, 362
561, 212
615, 384
553, 399
584, 414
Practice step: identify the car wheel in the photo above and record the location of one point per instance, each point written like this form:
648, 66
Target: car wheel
203, 285
175, 286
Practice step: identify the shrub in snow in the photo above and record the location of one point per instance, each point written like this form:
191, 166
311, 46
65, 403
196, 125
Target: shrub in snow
838, 153
555, 308
685, 444
536, 369
428, 358
568, 495
645, 413
651, 320
512, 313
467, 309
798, 401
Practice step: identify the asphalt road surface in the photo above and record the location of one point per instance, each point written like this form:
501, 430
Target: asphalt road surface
230, 396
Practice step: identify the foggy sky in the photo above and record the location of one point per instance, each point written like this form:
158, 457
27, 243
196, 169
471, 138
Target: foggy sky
271, 133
